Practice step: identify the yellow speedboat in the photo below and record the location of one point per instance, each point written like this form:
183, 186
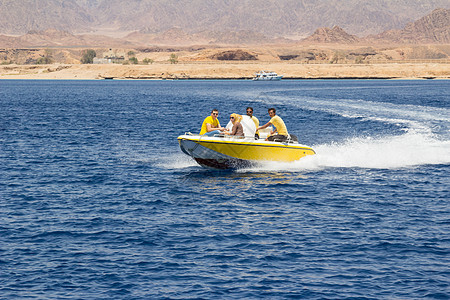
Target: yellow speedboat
232, 152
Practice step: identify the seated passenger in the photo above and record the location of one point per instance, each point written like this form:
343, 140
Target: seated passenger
249, 126
237, 130
254, 119
211, 125
281, 130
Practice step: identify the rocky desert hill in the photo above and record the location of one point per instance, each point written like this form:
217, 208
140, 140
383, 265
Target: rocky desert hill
272, 18
433, 28
335, 35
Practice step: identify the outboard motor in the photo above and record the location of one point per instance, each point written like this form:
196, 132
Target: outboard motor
292, 138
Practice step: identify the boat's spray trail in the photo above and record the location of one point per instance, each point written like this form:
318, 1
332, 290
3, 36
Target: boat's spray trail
383, 153
417, 118
176, 161
425, 141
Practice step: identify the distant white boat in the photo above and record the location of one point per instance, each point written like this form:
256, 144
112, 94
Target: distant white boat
267, 75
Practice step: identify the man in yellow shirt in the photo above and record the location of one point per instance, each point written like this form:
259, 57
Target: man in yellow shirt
278, 123
211, 125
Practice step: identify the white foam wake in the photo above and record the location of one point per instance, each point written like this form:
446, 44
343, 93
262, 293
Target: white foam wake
425, 141
383, 153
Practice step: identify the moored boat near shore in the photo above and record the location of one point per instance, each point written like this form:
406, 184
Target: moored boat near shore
267, 75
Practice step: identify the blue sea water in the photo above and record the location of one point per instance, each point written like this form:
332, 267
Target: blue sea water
97, 200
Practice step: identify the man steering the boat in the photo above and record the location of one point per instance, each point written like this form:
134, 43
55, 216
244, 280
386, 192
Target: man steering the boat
281, 130
211, 125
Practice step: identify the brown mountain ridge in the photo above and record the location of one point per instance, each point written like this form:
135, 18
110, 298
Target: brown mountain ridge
431, 29
272, 18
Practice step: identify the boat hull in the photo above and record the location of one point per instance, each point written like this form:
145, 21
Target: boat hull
235, 153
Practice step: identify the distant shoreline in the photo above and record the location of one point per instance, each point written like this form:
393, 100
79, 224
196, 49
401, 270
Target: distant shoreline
227, 71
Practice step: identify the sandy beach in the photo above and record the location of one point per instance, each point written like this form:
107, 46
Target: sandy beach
227, 70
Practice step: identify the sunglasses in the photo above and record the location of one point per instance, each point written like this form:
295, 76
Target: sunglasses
231, 117
216, 114
249, 111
